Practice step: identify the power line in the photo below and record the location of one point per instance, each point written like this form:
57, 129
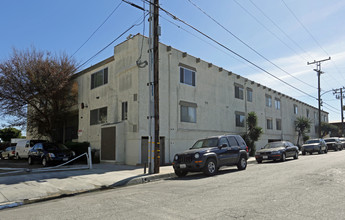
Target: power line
314, 39
98, 28
225, 47
277, 26
267, 29
194, 35
262, 56
113, 41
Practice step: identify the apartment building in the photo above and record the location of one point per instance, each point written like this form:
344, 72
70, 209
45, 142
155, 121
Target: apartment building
197, 99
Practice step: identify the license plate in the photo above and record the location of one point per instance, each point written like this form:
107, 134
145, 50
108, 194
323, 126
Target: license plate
183, 166
264, 157
65, 159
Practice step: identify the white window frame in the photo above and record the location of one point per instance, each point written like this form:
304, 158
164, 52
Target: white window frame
277, 103
187, 76
249, 95
240, 119
268, 101
239, 92
188, 112
269, 123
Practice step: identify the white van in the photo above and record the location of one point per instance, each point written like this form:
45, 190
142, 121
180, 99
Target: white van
23, 147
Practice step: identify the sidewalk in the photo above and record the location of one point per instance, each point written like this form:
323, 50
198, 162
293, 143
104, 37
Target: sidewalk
25, 188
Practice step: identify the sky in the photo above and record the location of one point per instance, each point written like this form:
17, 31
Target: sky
278, 36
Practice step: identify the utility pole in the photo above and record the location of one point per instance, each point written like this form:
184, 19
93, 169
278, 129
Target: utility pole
156, 83
336, 92
154, 142
319, 72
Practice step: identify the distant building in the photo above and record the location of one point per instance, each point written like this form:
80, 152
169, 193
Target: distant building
197, 99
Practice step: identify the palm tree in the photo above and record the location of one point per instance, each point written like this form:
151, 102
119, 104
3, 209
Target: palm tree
302, 124
253, 133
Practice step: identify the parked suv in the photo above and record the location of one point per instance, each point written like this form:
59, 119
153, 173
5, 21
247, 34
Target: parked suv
209, 154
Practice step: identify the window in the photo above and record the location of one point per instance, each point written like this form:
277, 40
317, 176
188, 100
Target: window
295, 109
99, 78
188, 112
239, 92
307, 113
279, 124
277, 103
223, 141
232, 141
124, 115
315, 116
240, 118
269, 123
187, 76
98, 116
249, 95
268, 101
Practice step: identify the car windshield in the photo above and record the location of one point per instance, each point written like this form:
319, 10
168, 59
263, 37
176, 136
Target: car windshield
51, 146
330, 140
206, 143
312, 142
274, 145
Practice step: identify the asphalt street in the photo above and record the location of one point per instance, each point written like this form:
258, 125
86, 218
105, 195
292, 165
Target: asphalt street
312, 187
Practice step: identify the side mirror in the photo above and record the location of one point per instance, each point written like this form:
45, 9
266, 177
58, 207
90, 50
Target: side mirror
223, 145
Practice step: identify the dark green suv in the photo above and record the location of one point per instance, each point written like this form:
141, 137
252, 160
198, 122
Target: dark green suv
209, 154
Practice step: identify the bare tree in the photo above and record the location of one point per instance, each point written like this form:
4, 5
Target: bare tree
36, 89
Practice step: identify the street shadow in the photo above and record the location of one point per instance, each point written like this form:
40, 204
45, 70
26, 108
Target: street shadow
200, 175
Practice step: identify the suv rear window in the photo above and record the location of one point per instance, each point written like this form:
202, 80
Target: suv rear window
232, 141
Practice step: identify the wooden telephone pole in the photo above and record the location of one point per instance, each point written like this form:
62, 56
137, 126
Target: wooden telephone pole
319, 72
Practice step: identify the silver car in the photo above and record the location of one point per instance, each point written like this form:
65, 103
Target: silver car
9, 152
314, 145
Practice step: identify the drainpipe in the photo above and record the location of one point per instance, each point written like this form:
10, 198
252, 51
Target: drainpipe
169, 112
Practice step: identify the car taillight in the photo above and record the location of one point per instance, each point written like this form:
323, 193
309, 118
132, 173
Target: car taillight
247, 149
13, 152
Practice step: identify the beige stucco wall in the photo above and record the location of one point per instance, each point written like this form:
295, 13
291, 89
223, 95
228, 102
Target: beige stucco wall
213, 95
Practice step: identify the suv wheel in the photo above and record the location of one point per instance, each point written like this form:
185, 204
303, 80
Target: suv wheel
283, 158
30, 162
180, 173
296, 155
242, 163
44, 162
210, 168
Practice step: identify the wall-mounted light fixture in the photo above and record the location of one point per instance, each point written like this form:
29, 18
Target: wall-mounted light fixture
83, 105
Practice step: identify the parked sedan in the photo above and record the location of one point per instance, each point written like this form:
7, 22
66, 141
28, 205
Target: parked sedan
314, 145
334, 143
278, 150
9, 152
48, 153
342, 140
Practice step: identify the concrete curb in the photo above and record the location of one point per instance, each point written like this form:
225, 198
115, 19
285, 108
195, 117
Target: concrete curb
141, 179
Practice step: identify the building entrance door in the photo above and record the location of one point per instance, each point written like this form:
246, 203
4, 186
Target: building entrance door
108, 143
